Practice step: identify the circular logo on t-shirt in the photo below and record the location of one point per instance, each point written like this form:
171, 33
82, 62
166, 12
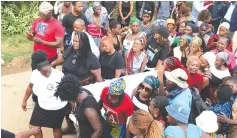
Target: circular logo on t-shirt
50, 87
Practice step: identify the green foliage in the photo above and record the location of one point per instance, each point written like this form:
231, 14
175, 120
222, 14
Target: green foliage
17, 17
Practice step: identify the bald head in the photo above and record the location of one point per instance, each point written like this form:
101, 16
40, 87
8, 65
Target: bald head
79, 25
107, 44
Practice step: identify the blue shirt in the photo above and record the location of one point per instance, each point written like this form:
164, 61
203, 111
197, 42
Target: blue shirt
193, 131
185, 97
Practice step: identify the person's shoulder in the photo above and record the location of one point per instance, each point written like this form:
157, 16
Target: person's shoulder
35, 72
57, 73
68, 15
104, 92
127, 99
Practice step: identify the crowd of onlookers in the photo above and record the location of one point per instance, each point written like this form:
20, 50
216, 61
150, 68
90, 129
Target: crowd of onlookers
193, 49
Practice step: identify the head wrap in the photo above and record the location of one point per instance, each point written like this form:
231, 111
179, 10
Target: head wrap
45, 7
96, 5
159, 22
173, 63
134, 20
225, 24
117, 87
152, 81
224, 56
188, 38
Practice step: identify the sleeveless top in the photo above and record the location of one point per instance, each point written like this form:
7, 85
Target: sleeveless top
126, 7
117, 46
137, 63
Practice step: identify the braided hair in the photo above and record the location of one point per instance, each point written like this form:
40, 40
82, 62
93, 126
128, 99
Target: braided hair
161, 102
145, 123
68, 89
204, 15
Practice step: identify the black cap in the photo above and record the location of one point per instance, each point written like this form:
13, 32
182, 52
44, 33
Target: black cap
163, 31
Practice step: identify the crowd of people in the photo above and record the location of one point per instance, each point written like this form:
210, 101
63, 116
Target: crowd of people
193, 50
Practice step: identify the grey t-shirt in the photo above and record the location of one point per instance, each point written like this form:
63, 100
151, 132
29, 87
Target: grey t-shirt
164, 9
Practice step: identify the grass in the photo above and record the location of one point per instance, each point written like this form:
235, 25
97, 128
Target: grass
15, 46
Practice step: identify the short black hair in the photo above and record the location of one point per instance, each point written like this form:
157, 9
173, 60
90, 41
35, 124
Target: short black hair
161, 102
231, 79
69, 88
74, 3
113, 24
39, 56
224, 93
204, 25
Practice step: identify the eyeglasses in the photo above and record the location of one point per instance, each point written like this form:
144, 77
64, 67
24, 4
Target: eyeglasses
142, 87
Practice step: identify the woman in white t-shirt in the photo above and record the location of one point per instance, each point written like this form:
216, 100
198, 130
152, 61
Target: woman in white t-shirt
49, 111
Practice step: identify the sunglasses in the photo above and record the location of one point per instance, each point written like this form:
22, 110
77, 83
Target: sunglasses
146, 11
142, 87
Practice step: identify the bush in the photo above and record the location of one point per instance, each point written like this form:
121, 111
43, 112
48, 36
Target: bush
17, 17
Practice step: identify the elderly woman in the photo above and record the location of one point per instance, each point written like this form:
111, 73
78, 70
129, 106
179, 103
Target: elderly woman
97, 27
49, 111
80, 61
91, 123
195, 49
129, 38
223, 31
144, 92
222, 47
218, 72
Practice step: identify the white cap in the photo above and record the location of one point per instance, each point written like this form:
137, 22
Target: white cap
45, 7
207, 121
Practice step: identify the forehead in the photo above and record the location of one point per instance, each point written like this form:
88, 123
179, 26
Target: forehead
78, 3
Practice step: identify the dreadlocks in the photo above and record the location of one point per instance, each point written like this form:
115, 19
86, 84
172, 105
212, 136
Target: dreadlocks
68, 89
149, 127
161, 102
204, 15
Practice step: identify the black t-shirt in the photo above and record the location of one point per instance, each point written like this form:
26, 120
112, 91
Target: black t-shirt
149, 5
86, 129
155, 52
7, 134
110, 63
83, 72
109, 5
69, 19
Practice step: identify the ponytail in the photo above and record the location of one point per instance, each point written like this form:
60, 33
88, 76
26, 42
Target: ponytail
154, 130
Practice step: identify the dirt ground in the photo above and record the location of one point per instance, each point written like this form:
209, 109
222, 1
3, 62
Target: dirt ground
13, 118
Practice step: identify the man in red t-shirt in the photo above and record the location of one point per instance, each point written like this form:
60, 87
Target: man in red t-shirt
46, 32
118, 107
